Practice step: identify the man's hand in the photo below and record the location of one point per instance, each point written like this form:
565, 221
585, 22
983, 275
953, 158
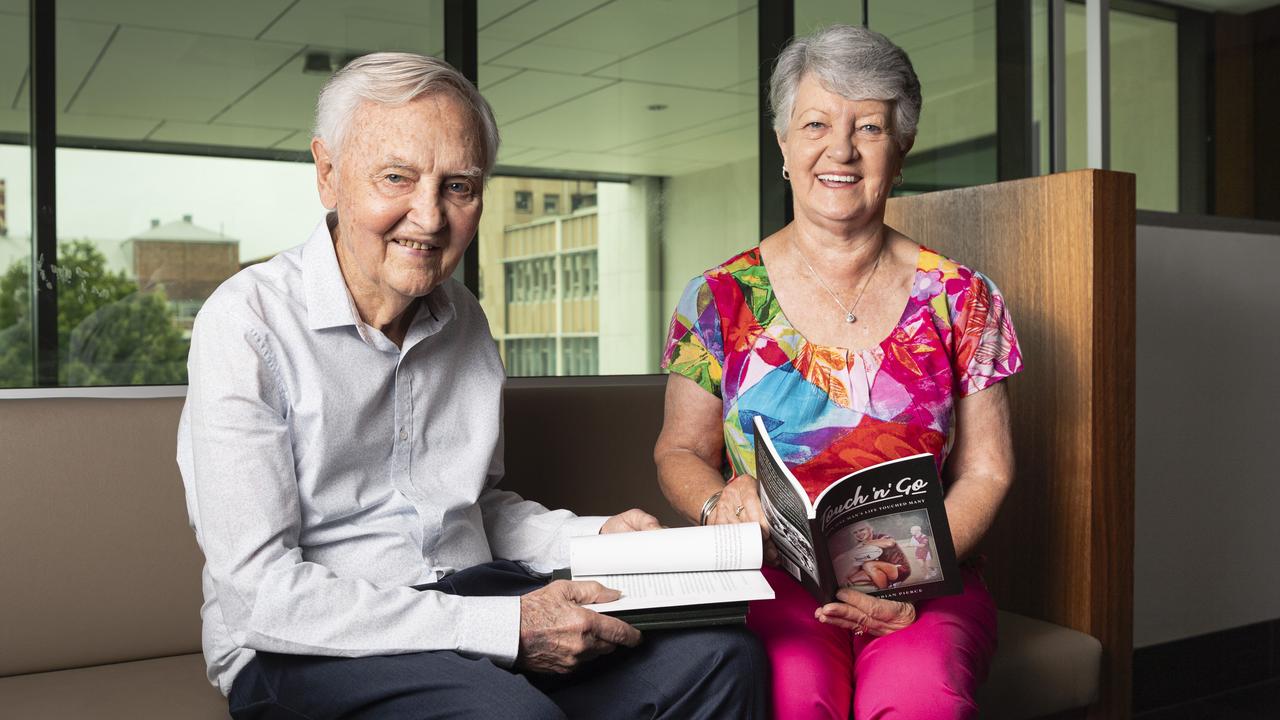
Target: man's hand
861, 613
557, 634
630, 521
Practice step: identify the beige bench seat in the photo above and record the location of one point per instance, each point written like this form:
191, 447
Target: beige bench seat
1041, 669
170, 687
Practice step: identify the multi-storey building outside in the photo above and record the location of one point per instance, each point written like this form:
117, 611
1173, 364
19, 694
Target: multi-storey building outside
539, 265
185, 260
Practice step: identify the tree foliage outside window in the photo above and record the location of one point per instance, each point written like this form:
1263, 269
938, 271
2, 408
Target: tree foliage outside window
109, 331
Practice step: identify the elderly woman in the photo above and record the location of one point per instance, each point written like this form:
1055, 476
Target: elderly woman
858, 345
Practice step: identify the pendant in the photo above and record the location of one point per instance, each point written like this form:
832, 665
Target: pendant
849, 317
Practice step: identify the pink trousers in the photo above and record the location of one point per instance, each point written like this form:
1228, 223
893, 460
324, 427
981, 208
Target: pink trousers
927, 671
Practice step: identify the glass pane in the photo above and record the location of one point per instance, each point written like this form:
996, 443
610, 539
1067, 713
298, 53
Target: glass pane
1144, 106
649, 109
813, 15
1144, 102
1042, 162
16, 366
183, 130
952, 44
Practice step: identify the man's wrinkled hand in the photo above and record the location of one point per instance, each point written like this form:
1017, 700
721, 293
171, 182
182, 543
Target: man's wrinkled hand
558, 635
630, 521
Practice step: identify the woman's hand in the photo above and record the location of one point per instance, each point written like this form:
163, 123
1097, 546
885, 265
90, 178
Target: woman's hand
863, 613
739, 503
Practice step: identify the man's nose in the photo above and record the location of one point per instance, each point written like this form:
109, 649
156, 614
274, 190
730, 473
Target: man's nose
427, 211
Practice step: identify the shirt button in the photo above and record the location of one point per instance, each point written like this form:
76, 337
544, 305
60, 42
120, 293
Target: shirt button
404, 434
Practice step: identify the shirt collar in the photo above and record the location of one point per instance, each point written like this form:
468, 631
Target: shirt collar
329, 301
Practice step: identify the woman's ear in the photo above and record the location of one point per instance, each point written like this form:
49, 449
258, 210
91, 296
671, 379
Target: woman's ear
326, 174
782, 145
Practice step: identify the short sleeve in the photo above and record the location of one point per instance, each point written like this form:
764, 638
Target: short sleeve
695, 348
984, 341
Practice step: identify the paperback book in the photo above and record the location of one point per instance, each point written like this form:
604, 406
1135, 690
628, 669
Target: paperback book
881, 530
674, 577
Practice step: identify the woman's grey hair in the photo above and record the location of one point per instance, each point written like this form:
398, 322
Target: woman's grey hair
395, 78
855, 63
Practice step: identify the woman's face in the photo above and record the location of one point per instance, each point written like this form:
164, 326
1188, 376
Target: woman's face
840, 154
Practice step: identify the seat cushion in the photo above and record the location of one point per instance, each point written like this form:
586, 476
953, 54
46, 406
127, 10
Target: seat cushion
1040, 669
157, 689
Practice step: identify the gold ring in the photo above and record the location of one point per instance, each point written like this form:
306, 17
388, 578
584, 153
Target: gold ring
738, 512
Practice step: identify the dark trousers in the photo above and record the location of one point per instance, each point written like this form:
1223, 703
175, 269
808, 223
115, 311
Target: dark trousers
715, 672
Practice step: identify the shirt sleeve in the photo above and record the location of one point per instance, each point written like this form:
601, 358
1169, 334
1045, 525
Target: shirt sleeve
695, 346
237, 460
526, 531
984, 341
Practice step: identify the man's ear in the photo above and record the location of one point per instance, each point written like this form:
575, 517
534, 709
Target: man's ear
326, 174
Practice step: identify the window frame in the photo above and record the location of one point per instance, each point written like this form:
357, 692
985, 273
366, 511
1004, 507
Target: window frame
775, 25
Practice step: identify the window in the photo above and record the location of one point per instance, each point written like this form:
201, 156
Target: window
16, 336
953, 48
182, 156
1144, 102
629, 164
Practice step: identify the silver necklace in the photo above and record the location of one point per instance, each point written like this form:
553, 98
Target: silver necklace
849, 317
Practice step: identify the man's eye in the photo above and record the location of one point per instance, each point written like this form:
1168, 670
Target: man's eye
394, 178
460, 188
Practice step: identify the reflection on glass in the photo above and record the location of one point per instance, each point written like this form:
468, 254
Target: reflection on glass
145, 235
16, 365
1144, 102
952, 44
651, 109
145, 238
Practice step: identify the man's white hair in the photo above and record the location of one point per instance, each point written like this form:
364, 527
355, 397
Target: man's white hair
395, 78
855, 63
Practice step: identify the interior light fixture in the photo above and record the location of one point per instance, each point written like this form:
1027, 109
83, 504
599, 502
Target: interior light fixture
317, 63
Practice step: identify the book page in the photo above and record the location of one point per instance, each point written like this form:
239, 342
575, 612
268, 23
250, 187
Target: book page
687, 549
657, 590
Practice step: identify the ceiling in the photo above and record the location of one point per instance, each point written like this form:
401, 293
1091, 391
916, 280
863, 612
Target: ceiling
571, 81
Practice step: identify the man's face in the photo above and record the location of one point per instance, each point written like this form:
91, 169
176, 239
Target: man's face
407, 188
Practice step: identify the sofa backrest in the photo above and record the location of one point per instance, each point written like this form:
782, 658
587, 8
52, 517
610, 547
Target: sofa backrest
97, 563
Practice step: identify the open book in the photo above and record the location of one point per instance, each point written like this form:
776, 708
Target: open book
881, 530
675, 577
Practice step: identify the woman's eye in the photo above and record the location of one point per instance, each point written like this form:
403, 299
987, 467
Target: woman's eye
813, 125
870, 129
394, 178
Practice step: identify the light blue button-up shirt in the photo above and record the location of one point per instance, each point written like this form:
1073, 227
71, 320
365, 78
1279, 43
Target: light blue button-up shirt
327, 470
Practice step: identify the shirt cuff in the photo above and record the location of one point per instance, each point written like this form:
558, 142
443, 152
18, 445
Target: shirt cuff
584, 525
490, 627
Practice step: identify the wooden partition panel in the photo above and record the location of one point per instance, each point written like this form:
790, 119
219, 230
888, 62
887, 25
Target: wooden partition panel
1061, 249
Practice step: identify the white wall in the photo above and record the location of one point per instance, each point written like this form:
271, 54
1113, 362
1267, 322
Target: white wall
1208, 412
631, 320
708, 217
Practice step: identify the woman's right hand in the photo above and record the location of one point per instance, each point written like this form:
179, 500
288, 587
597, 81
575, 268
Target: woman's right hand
740, 502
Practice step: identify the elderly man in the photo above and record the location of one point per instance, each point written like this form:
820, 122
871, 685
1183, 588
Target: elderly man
341, 444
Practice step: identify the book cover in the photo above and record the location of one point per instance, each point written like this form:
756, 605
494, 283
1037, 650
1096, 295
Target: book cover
881, 530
